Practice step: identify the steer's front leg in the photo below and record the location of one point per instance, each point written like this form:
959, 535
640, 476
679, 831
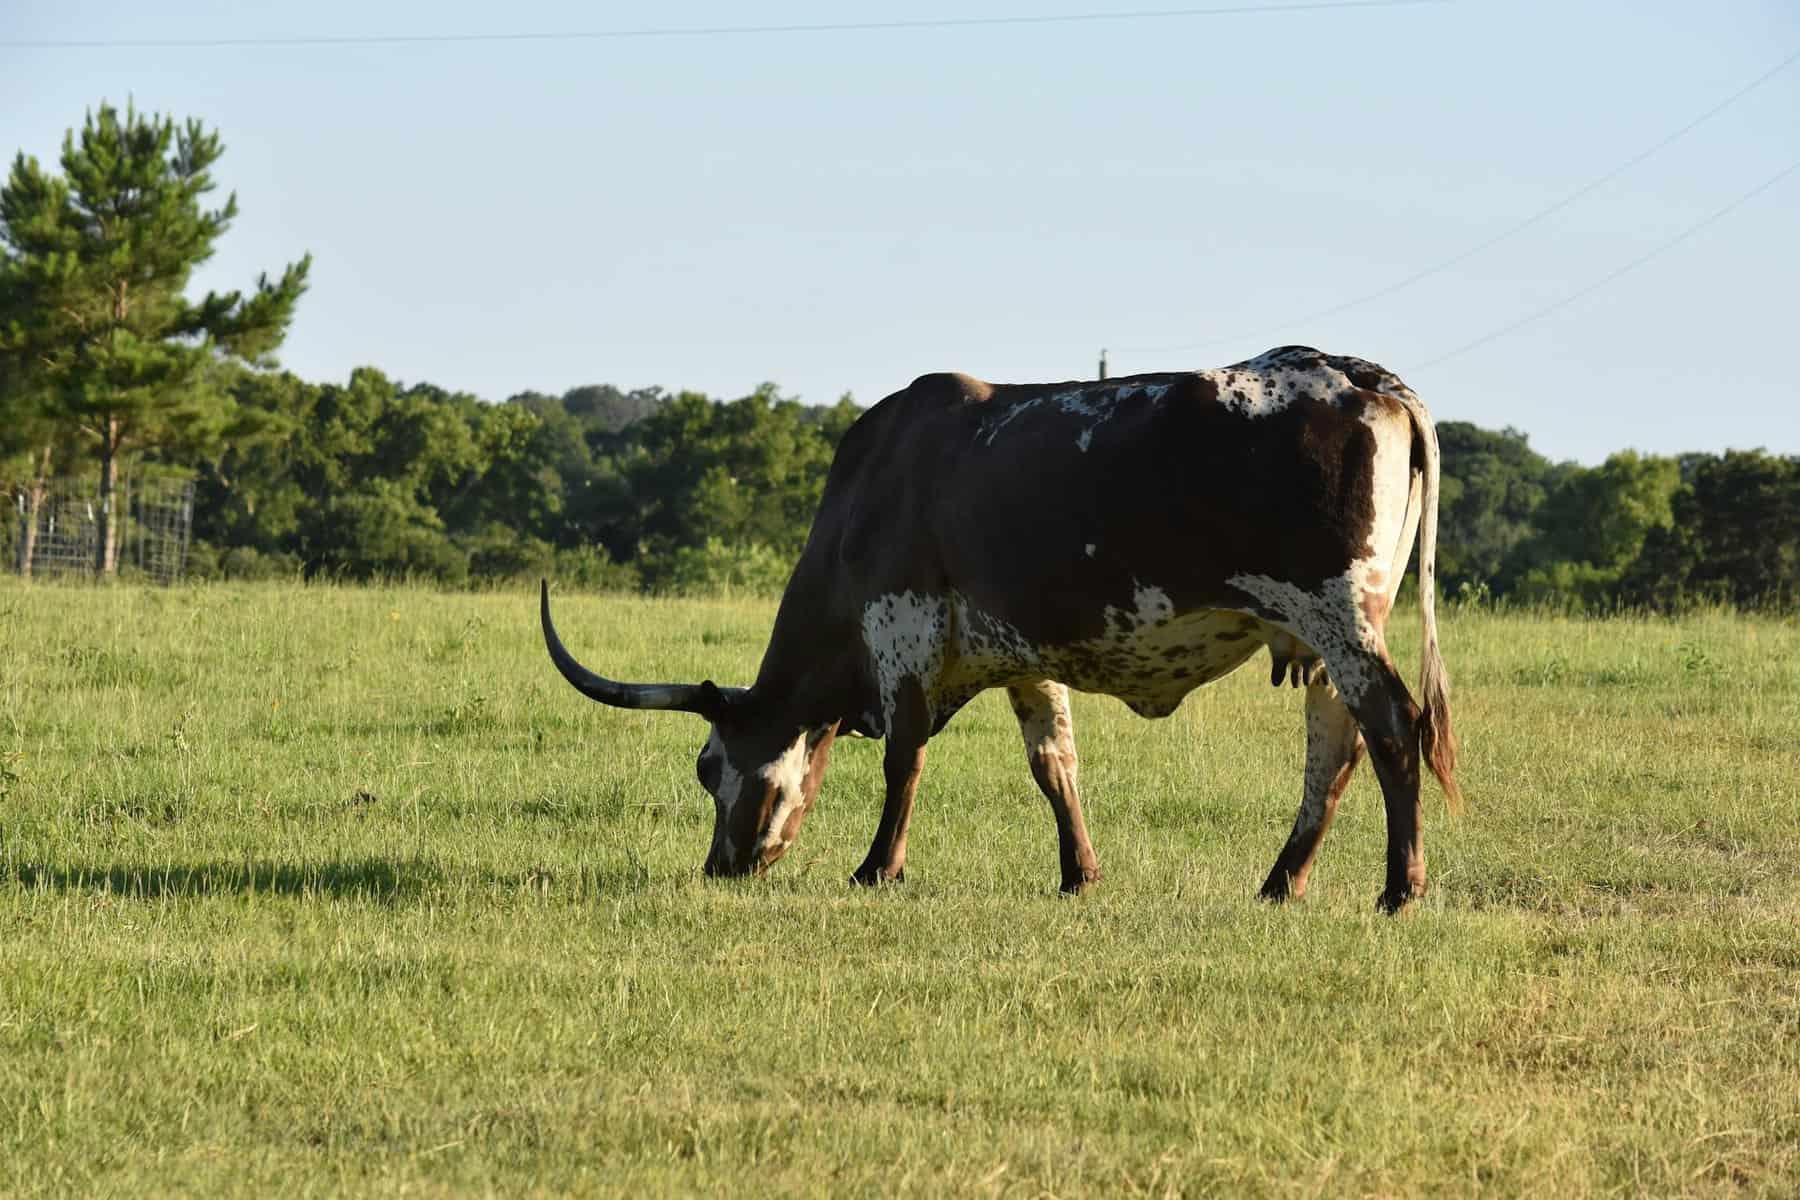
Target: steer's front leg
902, 764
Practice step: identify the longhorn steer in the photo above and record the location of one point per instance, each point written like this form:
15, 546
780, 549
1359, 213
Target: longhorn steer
1137, 537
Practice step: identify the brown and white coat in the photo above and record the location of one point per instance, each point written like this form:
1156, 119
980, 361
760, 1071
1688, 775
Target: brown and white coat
1136, 537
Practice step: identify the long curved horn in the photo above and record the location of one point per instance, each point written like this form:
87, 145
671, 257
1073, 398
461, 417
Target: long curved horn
702, 698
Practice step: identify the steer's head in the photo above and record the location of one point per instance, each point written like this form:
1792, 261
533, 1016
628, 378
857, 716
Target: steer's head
762, 771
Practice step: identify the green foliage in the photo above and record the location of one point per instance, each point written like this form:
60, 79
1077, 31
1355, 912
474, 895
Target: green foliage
604, 488
1576, 585
1601, 516
1589, 529
719, 568
240, 563
1734, 537
745, 473
1493, 483
1636, 531
97, 333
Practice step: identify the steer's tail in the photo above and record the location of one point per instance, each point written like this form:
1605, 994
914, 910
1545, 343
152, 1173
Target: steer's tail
1437, 740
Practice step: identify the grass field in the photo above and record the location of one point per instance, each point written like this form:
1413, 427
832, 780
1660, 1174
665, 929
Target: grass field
333, 891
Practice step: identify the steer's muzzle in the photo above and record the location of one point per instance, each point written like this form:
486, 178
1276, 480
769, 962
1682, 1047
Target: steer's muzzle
722, 862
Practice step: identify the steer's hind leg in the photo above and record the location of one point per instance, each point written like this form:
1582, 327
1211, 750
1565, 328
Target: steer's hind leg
1333, 748
903, 761
1043, 712
1356, 660
1389, 721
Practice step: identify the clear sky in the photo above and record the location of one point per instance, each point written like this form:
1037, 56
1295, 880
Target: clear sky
843, 211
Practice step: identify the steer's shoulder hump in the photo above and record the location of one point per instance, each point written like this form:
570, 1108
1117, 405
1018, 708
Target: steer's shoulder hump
951, 388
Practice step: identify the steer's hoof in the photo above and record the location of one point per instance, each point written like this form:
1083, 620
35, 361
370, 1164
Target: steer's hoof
1393, 901
1278, 888
1076, 885
869, 876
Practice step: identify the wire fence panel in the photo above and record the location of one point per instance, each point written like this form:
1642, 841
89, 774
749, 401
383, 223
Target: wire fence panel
56, 530
162, 520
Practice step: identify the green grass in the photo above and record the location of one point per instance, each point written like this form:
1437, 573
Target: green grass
332, 891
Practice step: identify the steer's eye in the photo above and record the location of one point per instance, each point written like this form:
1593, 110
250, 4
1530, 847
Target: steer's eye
707, 768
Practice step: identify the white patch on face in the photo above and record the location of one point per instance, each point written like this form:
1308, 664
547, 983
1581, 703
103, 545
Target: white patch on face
788, 775
1090, 549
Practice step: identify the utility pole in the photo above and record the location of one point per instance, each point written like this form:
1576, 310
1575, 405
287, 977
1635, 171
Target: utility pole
1103, 363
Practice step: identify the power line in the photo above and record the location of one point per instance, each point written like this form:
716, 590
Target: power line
1633, 265
1503, 235
594, 35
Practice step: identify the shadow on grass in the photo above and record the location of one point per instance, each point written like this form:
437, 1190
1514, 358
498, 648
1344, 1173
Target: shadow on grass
376, 879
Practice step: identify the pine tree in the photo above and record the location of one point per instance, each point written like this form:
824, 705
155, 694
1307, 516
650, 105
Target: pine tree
94, 267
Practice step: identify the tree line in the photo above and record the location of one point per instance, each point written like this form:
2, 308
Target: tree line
1638, 531
650, 490
607, 488
105, 361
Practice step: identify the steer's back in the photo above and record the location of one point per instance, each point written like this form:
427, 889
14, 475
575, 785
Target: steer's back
1052, 501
